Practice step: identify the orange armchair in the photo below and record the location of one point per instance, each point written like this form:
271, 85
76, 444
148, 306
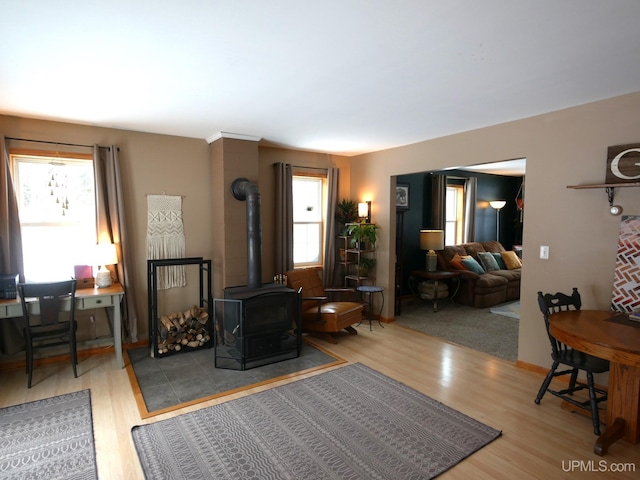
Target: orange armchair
320, 316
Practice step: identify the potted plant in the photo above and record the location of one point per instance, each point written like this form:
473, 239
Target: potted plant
364, 266
361, 233
346, 212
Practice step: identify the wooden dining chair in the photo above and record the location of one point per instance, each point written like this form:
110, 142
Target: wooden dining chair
55, 327
572, 358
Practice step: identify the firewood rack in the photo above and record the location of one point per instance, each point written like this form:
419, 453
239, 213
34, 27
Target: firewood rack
205, 298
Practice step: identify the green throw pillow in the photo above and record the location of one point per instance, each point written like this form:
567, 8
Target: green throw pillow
488, 262
499, 261
473, 265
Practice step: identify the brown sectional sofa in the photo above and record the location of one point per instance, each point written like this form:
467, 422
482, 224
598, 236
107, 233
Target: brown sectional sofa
485, 289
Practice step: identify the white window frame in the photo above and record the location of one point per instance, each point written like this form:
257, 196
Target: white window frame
44, 257
454, 224
321, 222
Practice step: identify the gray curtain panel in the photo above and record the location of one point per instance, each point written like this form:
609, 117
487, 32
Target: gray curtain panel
329, 266
438, 202
10, 232
12, 340
111, 224
284, 217
470, 200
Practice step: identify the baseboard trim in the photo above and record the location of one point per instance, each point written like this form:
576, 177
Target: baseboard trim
543, 371
66, 357
531, 367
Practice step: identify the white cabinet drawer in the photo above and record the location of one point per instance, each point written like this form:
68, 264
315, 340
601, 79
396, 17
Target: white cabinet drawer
93, 302
10, 311
13, 310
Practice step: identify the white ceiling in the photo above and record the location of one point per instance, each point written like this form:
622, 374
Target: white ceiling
337, 76
510, 168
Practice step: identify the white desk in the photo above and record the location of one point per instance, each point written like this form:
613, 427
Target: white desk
86, 299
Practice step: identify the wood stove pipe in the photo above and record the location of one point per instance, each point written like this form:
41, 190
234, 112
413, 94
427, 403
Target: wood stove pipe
242, 189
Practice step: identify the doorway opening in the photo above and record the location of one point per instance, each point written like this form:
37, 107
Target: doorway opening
501, 180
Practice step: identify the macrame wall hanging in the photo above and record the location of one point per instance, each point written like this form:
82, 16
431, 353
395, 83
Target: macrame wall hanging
165, 238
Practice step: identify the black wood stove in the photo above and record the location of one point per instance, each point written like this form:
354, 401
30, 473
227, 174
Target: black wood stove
258, 323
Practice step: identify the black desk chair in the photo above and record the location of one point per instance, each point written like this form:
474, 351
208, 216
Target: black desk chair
55, 327
575, 359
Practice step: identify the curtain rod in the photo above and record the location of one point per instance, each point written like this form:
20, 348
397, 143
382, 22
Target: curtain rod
164, 194
300, 167
51, 143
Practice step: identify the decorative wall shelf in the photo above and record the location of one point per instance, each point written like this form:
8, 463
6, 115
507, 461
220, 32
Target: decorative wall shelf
610, 189
605, 185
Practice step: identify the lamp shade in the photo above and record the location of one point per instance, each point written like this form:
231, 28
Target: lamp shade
363, 209
497, 204
105, 254
431, 239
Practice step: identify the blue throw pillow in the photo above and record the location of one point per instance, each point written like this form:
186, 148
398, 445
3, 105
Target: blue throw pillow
472, 265
488, 262
499, 261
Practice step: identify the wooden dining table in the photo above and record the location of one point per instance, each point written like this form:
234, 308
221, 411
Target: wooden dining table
614, 337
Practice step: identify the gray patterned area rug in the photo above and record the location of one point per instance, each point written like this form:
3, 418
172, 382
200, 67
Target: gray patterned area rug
352, 422
48, 439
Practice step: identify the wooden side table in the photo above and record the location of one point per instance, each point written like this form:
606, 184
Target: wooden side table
437, 276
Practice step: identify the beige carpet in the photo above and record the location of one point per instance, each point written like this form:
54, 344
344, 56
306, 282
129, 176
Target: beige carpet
475, 328
509, 309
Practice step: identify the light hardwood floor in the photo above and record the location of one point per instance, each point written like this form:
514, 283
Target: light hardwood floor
538, 441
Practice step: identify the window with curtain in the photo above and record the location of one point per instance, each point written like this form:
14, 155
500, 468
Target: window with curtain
309, 216
454, 224
56, 201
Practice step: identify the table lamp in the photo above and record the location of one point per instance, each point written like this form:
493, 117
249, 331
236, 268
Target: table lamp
105, 255
431, 240
364, 211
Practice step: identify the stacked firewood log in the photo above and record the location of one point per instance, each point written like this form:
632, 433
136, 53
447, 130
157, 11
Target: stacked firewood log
183, 329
